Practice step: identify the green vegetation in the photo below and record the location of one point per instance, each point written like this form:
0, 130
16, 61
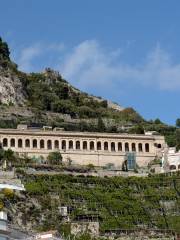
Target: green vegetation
55, 158
48, 93
4, 51
117, 202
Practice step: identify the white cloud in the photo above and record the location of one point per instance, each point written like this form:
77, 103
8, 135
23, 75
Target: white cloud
27, 55
89, 65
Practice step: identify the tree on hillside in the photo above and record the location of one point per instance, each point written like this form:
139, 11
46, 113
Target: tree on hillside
9, 156
138, 129
55, 158
4, 50
178, 139
178, 122
157, 121
100, 125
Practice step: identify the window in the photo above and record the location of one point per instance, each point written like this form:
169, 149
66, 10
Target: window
49, 144
113, 147
19, 143
133, 147
77, 144
34, 143
126, 147
41, 143
27, 143
140, 147
98, 145
91, 145
63, 144
147, 147
5, 142
71, 144
172, 167
84, 145
56, 144
119, 146
106, 146
12, 142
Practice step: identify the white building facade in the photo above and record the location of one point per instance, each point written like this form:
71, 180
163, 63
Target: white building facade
83, 148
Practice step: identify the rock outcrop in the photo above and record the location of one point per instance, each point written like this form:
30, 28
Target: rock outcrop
11, 90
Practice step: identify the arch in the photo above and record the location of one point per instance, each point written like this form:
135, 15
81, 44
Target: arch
140, 149
133, 147
98, 145
84, 145
77, 144
34, 143
106, 146
42, 143
12, 142
113, 147
126, 147
64, 144
56, 144
119, 146
172, 167
5, 142
20, 143
49, 144
71, 144
147, 147
159, 145
27, 143
91, 145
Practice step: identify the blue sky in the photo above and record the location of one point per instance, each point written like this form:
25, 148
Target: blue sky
127, 51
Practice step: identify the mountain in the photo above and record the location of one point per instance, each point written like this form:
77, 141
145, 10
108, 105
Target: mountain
47, 98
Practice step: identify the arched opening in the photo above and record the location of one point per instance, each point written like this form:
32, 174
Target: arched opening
91, 145
98, 145
63, 144
5, 142
49, 144
85, 145
34, 143
70, 144
12, 142
56, 144
27, 143
172, 167
106, 146
77, 144
19, 143
113, 147
140, 147
159, 145
119, 146
147, 147
133, 147
41, 143
126, 147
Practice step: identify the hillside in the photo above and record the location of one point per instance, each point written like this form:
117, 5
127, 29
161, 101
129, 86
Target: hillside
48, 99
132, 203
47, 92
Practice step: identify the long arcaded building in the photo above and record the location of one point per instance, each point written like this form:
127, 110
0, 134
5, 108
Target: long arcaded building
83, 148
